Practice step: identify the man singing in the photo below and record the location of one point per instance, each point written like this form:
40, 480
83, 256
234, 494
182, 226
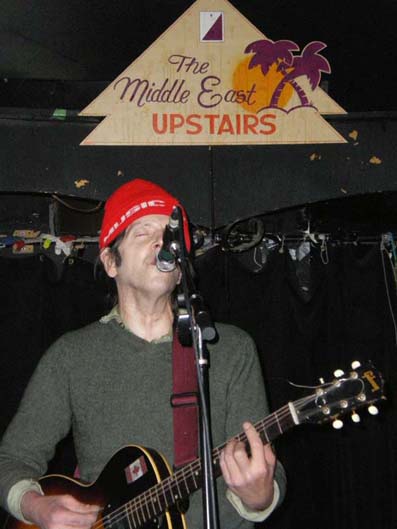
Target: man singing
111, 381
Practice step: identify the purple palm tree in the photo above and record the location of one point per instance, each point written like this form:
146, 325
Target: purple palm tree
309, 63
268, 52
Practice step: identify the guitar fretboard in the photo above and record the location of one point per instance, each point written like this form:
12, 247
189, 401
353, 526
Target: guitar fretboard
187, 480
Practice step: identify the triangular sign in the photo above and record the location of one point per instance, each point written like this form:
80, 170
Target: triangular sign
214, 79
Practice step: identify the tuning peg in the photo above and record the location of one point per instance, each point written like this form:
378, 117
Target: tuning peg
355, 417
338, 373
337, 424
373, 410
356, 364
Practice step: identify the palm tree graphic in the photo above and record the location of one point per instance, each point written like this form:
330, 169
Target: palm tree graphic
309, 63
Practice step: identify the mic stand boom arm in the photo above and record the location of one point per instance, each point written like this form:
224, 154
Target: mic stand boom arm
194, 327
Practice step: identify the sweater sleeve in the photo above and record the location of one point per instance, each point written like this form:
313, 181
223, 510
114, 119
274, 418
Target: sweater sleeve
247, 401
42, 419
15, 496
248, 514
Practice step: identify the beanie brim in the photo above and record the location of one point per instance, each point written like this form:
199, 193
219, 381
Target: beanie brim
132, 201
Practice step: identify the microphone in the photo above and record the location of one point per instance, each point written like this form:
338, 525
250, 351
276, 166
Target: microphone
165, 259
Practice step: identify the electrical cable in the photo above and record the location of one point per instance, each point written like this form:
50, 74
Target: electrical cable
382, 251
64, 203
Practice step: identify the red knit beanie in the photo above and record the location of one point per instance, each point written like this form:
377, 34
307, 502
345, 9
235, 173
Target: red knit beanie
133, 200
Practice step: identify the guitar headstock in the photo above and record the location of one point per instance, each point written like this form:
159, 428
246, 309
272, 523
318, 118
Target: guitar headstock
361, 386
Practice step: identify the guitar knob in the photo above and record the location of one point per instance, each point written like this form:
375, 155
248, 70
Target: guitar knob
337, 424
356, 364
355, 417
373, 410
339, 373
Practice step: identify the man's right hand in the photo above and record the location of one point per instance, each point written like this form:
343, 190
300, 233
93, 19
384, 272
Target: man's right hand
58, 512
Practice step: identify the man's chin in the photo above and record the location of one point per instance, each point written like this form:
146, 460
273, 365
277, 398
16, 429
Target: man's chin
165, 278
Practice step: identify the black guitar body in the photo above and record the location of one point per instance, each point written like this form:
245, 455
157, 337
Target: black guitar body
132, 471
118, 489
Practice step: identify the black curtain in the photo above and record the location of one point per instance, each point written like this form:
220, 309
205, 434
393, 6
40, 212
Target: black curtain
307, 318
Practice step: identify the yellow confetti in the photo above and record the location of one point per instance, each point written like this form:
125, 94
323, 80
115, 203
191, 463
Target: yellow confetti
375, 160
353, 135
81, 183
315, 156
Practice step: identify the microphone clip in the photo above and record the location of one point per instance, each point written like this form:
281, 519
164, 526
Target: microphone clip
171, 248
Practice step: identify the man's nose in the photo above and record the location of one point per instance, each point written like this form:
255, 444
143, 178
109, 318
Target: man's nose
158, 238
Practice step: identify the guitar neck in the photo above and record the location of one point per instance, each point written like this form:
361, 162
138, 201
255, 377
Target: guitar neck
360, 387
187, 480
268, 428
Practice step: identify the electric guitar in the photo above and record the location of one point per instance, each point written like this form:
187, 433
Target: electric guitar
137, 488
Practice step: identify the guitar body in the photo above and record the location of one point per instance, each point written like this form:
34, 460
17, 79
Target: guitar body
132, 471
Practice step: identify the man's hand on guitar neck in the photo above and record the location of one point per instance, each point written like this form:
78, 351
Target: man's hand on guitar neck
58, 512
249, 477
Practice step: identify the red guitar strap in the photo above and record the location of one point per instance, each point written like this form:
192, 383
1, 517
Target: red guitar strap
184, 401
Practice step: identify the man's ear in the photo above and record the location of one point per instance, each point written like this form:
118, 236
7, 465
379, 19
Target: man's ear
108, 261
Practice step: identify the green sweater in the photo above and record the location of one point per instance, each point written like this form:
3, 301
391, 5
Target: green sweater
113, 388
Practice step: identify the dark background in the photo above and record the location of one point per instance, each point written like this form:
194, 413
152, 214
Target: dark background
307, 317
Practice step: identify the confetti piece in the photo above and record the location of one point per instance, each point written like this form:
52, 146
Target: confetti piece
25, 249
8, 240
27, 234
315, 156
59, 113
375, 160
81, 183
18, 245
353, 135
343, 190
67, 238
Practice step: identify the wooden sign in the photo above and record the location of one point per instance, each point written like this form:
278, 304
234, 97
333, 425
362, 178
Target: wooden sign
214, 79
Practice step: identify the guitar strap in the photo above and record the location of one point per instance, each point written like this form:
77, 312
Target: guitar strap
184, 402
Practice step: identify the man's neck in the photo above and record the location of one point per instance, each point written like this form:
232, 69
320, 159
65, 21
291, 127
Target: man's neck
148, 319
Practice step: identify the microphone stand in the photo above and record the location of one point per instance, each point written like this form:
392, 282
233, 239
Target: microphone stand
194, 328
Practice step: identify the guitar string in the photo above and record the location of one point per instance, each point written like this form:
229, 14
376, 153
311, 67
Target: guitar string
166, 485
136, 505
188, 471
